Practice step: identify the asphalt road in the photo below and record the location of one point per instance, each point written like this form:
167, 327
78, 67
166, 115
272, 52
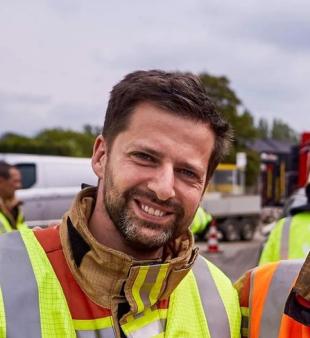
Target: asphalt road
235, 258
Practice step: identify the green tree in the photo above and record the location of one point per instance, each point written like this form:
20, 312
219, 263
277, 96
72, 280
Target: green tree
55, 141
282, 132
76, 143
263, 128
230, 105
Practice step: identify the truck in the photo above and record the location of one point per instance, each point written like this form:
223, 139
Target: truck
237, 214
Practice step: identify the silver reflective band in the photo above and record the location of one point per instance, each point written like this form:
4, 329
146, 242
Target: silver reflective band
211, 300
149, 330
149, 280
277, 294
18, 283
103, 333
285, 237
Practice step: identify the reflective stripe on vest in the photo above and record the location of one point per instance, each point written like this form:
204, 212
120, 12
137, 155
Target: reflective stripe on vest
104, 333
16, 277
33, 300
285, 237
211, 300
277, 292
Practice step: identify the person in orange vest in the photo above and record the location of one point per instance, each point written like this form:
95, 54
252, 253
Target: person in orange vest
275, 300
123, 263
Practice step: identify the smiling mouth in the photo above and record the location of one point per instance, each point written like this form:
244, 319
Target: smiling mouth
151, 210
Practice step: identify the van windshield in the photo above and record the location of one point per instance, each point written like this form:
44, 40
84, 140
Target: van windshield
28, 172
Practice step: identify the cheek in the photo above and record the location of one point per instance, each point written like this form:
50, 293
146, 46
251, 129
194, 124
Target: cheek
191, 202
126, 179
131, 175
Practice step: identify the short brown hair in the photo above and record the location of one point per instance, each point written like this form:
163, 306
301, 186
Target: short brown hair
5, 170
182, 94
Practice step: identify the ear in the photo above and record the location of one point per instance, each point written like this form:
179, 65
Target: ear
99, 156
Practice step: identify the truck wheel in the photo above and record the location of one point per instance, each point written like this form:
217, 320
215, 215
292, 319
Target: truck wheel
230, 231
247, 230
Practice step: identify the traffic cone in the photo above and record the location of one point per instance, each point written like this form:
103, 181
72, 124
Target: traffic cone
213, 243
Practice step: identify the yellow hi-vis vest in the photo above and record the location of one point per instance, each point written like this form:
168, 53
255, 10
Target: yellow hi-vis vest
200, 221
5, 225
32, 303
289, 239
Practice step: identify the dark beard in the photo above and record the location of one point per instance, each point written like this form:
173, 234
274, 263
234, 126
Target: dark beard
116, 205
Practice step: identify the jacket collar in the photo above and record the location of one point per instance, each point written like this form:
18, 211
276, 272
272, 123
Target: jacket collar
109, 276
7, 212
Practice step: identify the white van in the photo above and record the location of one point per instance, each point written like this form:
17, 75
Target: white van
49, 183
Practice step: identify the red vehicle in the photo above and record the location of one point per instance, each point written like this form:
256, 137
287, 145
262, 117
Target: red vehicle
304, 159
283, 174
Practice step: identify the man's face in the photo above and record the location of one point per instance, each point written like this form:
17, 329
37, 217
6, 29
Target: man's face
155, 175
8, 186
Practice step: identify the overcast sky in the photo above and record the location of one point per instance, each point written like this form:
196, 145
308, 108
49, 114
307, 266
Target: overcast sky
60, 58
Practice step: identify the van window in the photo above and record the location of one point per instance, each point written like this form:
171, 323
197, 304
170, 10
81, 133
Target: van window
29, 174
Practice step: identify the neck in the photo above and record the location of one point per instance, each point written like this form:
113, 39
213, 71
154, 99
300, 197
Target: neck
106, 233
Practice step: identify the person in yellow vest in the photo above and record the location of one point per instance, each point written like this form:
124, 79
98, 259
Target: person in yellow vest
290, 238
11, 217
122, 262
275, 300
200, 223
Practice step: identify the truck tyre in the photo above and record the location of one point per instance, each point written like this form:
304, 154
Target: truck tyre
247, 230
230, 230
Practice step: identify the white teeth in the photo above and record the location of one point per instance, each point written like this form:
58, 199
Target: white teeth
157, 212
152, 211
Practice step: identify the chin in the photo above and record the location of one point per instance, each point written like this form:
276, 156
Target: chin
146, 241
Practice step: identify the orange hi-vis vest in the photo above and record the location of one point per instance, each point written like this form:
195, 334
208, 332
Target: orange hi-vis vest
263, 294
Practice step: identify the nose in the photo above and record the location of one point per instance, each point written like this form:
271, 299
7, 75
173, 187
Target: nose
162, 183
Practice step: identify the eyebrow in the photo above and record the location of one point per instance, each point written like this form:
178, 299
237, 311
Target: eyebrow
149, 150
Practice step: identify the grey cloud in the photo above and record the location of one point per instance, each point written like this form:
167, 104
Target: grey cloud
23, 98
85, 48
29, 119
284, 23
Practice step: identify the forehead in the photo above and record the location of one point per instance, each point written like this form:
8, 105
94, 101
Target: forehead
152, 126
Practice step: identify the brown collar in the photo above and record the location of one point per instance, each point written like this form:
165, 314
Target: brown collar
302, 285
109, 276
